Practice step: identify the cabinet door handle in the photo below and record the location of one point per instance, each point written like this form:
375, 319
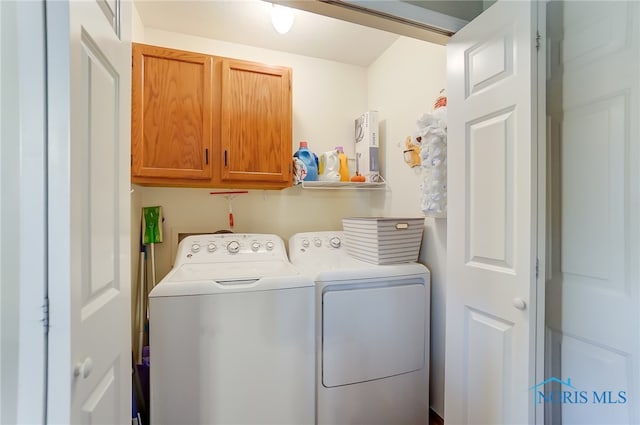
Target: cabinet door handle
206, 156
225, 157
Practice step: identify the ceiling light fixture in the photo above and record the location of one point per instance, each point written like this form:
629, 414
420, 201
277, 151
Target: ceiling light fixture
281, 18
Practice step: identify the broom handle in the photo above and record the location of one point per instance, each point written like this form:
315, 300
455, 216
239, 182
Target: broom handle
153, 266
141, 308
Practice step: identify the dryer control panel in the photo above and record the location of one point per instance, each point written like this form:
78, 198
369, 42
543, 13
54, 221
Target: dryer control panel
230, 247
323, 247
316, 242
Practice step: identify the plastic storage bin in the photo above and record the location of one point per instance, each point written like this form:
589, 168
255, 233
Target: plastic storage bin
383, 240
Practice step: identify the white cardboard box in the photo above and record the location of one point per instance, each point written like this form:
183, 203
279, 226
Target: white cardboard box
367, 146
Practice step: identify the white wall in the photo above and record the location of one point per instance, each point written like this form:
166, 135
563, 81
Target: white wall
137, 27
403, 83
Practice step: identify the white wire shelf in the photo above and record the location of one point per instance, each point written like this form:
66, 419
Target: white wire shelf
343, 185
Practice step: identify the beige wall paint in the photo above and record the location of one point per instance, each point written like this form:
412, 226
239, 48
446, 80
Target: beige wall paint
137, 27
137, 33
403, 83
279, 212
136, 211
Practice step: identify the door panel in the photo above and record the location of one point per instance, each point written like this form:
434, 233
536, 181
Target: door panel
593, 144
491, 228
489, 62
593, 268
102, 401
489, 342
490, 198
100, 157
89, 365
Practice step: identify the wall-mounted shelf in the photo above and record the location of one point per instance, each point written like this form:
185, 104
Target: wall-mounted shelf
343, 185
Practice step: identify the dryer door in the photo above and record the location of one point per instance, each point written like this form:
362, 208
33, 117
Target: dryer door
372, 332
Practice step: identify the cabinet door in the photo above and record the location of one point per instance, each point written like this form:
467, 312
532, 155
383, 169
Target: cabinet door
256, 122
171, 113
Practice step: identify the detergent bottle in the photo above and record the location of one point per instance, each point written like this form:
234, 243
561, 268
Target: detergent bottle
329, 166
308, 158
344, 164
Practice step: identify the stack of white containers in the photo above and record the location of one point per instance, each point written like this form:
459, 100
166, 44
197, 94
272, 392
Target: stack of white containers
383, 240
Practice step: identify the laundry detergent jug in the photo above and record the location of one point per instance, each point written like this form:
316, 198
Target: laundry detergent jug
329, 166
344, 164
309, 167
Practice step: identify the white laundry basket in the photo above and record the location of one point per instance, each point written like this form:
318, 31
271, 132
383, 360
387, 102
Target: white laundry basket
383, 240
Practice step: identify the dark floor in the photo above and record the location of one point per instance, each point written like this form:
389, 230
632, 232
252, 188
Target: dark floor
434, 419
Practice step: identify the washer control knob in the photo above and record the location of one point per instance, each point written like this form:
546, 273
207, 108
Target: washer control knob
335, 242
233, 247
269, 245
195, 247
211, 247
317, 242
305, 243
255, 246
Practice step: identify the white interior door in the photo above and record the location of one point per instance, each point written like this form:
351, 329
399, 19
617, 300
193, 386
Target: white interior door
89, 67
491, 228
594, 258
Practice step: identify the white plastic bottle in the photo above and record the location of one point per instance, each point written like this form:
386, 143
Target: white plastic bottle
330, 166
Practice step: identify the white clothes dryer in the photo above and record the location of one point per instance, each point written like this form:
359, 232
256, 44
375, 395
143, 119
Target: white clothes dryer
372, 334
232, 335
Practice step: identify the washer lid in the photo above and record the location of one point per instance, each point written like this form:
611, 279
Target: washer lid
222, 272
225, 278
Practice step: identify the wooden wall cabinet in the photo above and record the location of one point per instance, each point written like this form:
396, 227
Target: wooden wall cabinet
171, 114
256, 122
207, 121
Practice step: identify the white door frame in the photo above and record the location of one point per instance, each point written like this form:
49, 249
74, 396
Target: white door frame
26, 176
539, 287
33, 208
59, 235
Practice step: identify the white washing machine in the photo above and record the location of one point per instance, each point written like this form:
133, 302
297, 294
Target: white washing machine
372, 334
232, 335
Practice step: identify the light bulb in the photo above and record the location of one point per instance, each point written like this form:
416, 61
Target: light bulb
281, 18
